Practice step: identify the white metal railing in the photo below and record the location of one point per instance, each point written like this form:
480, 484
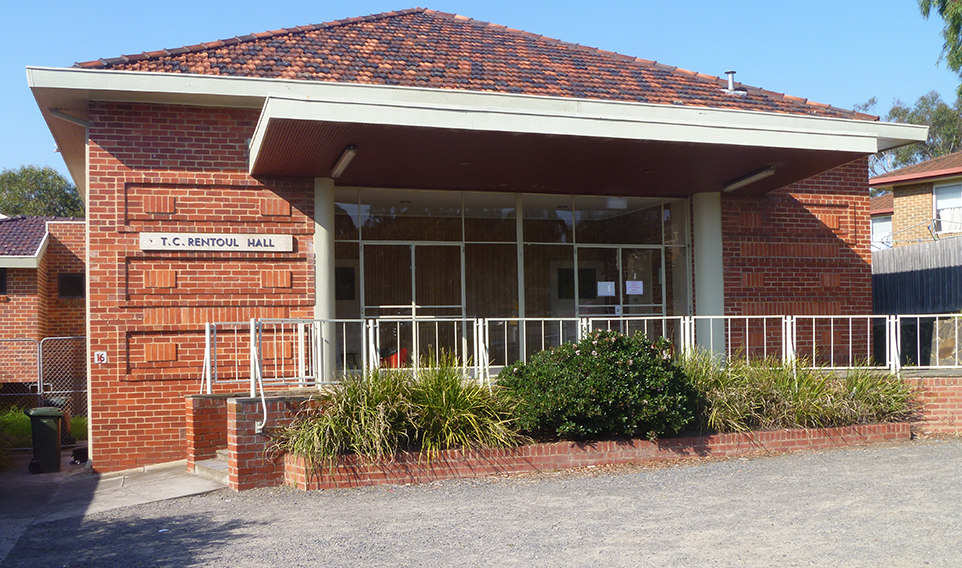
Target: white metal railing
291, 353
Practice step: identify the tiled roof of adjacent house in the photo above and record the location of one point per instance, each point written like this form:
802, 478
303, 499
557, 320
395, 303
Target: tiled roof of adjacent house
425, 48
882, 204
948, 165
21, 235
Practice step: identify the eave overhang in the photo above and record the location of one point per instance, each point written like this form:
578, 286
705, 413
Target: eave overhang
26, 260
889, 182
448, 139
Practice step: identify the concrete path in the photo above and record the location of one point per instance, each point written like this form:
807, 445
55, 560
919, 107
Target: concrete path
76, 491
891, 505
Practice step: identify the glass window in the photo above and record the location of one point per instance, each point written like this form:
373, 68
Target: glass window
548, 218
70, 286
618, 220
347, 215
948, 208
409, 215
3, 281
490, 217
881, 232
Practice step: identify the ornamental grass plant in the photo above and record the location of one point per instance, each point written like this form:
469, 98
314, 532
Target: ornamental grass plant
384, 411
767, 394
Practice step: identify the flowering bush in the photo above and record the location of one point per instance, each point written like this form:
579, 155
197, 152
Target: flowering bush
607, 385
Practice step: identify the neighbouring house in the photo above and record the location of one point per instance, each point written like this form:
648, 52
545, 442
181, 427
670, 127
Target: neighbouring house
415, 169
923, 275
880, 210
927, 199
42, 291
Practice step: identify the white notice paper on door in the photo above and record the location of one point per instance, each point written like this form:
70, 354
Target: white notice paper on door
635, 287
606, 289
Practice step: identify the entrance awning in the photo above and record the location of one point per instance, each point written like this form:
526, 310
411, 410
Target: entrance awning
462, 140
457, 140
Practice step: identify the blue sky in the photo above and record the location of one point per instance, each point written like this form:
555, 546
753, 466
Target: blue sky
829, 51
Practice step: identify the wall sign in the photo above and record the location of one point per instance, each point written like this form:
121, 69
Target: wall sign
216, 242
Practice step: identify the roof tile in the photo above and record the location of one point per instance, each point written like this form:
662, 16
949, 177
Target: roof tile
21, 235
950, 164
425, 48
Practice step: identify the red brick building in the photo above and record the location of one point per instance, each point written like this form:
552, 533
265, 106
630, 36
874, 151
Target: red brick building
423, 165
41, 296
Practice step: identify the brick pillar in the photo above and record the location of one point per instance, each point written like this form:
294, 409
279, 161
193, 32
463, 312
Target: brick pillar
206, 428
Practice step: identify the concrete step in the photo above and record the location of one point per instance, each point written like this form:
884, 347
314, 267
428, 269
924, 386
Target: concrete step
222, 455
213, 469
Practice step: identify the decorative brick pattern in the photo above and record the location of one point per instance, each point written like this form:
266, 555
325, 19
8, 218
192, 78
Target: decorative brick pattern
156, 351
176, 169
814, 231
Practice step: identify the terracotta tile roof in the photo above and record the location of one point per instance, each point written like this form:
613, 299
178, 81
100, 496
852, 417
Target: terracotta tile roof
950, 164
425, 48
882, 204
22, 235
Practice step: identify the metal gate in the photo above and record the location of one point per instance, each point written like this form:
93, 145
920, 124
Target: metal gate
50, 372
63, 375
19, 373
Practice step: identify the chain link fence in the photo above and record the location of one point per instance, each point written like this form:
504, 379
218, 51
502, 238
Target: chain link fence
50, 372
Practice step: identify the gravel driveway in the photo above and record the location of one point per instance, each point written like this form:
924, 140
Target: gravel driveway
897, 505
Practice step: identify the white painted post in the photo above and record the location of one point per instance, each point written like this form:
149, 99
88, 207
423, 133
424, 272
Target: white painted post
709, 271
894, 332
324, 273
253, 358
206, 382
301, 359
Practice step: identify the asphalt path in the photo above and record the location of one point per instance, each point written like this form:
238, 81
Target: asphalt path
892, 505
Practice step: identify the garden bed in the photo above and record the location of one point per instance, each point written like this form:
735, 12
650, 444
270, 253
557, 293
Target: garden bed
412, 468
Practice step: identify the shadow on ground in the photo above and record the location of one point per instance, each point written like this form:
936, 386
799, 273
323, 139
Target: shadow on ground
176, 541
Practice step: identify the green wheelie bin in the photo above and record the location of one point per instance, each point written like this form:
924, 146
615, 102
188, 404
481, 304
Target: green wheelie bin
45, 428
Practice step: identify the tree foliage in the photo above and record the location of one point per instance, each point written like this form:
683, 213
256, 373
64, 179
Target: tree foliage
945, 131
951, 13
35, 190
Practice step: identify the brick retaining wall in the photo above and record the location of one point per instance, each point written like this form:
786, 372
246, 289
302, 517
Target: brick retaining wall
412, 468
941, 397
252, 464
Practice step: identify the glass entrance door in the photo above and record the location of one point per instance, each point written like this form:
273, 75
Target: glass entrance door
407, 285
615, 281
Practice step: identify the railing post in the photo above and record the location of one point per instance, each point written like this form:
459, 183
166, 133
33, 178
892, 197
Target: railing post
205, 383
253, 357
373, 340
301, 359
584, 328
894, 351
789, 346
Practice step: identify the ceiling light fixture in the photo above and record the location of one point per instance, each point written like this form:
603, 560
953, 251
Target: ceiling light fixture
749, 179
344, 161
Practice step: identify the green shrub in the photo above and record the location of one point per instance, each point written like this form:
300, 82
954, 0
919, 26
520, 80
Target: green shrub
607, 385
769, 394
78, 427
377, 414
16, 428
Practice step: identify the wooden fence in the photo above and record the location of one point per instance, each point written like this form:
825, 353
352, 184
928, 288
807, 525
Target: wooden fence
924, 278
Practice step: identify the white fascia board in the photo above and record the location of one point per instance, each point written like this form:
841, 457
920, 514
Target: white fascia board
472, 110
19, 262
26, 261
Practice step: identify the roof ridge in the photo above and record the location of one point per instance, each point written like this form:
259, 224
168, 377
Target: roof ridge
245, 38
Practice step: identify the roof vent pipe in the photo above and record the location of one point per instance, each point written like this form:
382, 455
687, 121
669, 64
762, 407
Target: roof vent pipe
731, 80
